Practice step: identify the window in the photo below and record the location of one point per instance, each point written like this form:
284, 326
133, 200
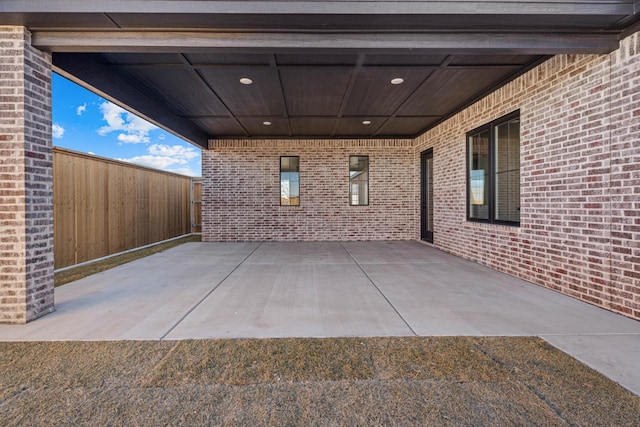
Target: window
493, 177
290, 180
358, 180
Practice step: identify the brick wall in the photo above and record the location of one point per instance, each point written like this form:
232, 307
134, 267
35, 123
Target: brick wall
580, 183
241, 191
625, 178
580, 179
26, 196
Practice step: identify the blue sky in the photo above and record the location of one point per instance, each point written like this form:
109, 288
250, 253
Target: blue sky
84, 121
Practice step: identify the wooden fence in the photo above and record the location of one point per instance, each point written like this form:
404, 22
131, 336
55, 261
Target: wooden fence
103, 206
196, 205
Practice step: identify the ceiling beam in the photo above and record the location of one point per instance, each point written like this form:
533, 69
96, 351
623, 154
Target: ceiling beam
271, 7
430, 43
101, 80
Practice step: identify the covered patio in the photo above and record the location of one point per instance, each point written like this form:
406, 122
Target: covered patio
328, 289
385, 81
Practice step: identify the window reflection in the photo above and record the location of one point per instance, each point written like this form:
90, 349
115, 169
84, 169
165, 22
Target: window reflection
359, 180
290, 180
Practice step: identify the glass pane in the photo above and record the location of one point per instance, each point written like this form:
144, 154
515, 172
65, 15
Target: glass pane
289, 164
478, 179
284, 188
289, 181
294, 188
507, 160
359, 180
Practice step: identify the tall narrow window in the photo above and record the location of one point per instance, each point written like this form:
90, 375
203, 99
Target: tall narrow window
290, 180
493, 179
359, 180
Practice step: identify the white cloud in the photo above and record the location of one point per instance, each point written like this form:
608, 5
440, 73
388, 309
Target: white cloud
157, 162
81, 109
172, 158
57, 131
183, 171
174, 151
134, 129
133, 138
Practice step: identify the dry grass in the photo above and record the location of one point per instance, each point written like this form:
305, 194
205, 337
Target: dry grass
342, 381
79, 272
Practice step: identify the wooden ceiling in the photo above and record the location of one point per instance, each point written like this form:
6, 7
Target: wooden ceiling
313, 94
319, 69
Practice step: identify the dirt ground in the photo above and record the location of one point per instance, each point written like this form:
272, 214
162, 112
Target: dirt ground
457, 381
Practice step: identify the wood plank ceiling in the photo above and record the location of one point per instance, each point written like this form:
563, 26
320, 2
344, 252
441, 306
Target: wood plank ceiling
325, 69
314, 94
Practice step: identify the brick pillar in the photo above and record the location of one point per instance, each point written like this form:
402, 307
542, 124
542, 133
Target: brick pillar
26, 179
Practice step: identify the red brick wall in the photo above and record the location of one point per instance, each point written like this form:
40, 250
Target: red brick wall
580, 179
241, 191
625, 178
26, 182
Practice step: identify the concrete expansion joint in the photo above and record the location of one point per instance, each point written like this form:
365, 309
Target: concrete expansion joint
379, 290
209, 293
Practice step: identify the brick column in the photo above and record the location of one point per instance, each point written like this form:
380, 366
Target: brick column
26, 179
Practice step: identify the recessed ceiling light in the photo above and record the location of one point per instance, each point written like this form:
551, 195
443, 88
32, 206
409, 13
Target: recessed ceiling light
266, 123
366, 122
246, 81
397, 81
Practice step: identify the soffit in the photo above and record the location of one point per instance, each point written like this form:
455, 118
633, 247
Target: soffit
319, 69
307, 95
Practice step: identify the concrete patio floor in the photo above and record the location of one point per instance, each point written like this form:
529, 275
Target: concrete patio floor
329, 289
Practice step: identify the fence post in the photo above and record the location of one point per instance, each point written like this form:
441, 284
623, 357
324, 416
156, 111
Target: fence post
196, 205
